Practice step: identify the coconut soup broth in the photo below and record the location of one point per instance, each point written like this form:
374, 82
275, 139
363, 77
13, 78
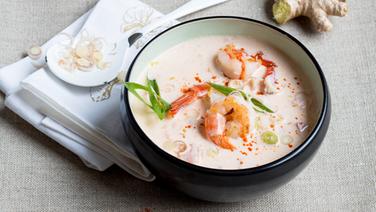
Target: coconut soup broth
183, 136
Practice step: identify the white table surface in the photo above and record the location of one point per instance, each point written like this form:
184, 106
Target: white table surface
37, 174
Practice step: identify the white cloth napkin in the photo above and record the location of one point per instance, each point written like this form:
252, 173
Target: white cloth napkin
84, 120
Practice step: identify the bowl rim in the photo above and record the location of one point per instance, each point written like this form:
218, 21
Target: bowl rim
231, 172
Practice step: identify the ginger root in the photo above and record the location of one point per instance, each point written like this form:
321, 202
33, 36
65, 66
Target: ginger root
316, 10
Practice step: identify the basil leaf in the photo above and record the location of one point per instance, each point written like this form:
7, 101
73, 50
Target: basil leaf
227, 90
261, 106
133, 87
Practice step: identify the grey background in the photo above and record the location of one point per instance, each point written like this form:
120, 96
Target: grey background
37, 174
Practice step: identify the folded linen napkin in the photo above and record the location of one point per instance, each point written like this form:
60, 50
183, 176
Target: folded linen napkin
84, 120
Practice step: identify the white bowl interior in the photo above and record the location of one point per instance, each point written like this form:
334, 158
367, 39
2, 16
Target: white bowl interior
234, 26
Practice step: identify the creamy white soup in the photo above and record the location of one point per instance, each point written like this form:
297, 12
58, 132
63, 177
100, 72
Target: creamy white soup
224, 102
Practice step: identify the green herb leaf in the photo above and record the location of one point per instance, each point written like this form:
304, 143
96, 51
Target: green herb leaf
154, 85
261, 106
258, 110
159, 105
133, 87
227, 90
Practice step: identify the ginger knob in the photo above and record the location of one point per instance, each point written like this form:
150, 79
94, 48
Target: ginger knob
316, 10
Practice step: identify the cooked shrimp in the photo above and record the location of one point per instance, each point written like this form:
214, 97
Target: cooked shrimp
189, 96
268, 79
236, 63
227, 118
270, 65
269, 84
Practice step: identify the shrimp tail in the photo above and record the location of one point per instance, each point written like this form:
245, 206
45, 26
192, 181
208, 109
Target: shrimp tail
189, 96
181, 102
215, 130
223, 141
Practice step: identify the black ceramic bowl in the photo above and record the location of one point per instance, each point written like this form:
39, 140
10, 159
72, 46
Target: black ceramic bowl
228, 185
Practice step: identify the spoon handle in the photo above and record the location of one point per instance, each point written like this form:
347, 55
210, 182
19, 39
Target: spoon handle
186, 9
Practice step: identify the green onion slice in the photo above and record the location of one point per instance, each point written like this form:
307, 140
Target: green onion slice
157, 103
269, 137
